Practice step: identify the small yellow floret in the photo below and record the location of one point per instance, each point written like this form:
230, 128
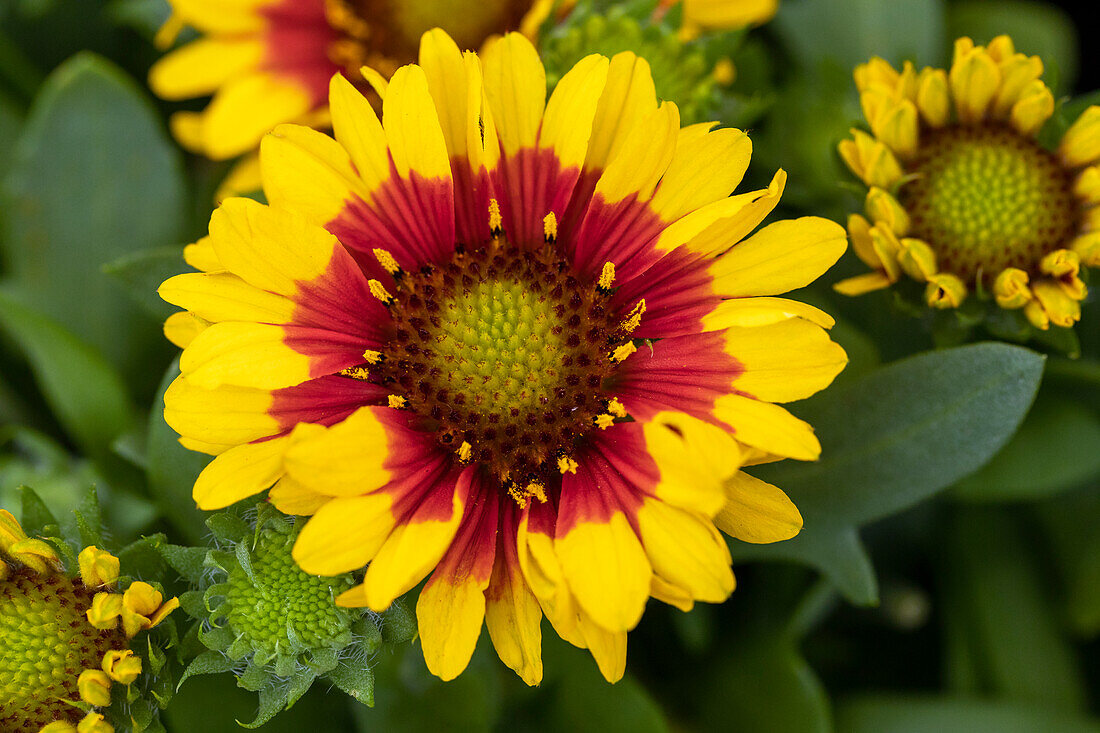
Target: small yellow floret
122, 666
94, 687
603, 422
98, 567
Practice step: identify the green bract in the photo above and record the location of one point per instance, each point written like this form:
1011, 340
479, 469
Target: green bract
275, 627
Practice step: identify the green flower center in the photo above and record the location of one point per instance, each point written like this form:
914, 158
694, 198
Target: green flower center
277, 606
504, 353
986, 198
45, 643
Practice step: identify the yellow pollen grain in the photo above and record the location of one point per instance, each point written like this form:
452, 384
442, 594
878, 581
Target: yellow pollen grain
567, 465
372, 357
379, 291
523, 496
396, 401
616, 408
603, 422
634, 319
607, 276
464, 451
496, 221
550, 227
356, 372
387, 261
622, 352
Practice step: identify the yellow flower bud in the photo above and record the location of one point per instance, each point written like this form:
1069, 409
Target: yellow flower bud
974, 79
105, 610
1011, 288
1081, 144
98, 567
95, 687
122, 666
94, 723
882, 208
945, 290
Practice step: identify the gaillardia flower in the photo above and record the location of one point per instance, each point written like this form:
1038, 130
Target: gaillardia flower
269, 61
962, 196
68, 659
520, 342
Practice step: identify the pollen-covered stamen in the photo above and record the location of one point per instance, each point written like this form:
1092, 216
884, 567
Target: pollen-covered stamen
634, 318
566, 465
616, 408
607, 276
378, 290
622, 351
504, 353
356, 372
550, 228
496, 221
397, 402
387, 261
372, 357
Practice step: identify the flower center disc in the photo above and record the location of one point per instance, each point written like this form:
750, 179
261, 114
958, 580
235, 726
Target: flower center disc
392, 28
505, 350
986, 198
45, 643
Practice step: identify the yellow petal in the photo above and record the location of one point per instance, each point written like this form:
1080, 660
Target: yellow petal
247, 108
412, 127
220, 296
757, 512
182, 328
239, 473
224, 416
784, 361
449, 615
1080, 145
513, 617
607, 570
644, 157
200, 67
686, 549
515, 84
344, 534
346, 459
768, 427
702, 170
750, 312
567, 121
243, 355
974, 79
628, 98
783, 256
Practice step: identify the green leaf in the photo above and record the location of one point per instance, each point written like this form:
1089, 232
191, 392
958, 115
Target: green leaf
272, 701
398, 623
895, 714
892, 439
142, 558
210, 662
1037, 28
187, 561
229, 528
89, 520
1057, 448
94, 178
995, 594
356, 678
141, 274
849, 32
1069, 523
11, 121
85, 392
36, 515
172, 470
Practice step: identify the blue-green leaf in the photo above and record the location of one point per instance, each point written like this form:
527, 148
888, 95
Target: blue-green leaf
896, 714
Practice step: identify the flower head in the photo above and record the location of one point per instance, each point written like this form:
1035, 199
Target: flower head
63, 659
270, 62
524, 344
962, 197
277, 626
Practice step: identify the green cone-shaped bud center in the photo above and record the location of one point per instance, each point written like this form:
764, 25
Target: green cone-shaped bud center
279, 607
45, 643
986, 198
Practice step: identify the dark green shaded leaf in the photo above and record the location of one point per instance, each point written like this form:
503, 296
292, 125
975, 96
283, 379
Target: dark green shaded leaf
141, 274
895, 714
85, 392
892, 439
849, 32
1069, 522
1057, 448
996, 596
210, 662
94, 177
229, 528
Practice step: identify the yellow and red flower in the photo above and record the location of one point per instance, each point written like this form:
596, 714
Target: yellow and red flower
962, 197
269, 61
523, 343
